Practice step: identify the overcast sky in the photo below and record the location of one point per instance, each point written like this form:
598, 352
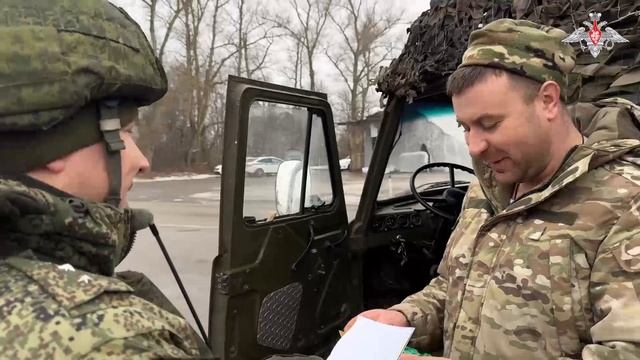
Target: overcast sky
412, 8
325, 71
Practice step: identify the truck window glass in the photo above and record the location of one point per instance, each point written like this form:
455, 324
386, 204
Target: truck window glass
276, 135
429, 134
320, 190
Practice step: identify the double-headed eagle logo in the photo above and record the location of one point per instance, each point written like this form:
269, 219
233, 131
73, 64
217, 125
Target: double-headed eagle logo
594, 39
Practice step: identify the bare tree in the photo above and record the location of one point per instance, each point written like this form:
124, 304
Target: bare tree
204, 61
306, 29
217, 127
292, 70
364, 47
167, 18
297, 72
252, 39
162, 18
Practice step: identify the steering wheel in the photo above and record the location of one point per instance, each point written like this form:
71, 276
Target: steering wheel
450, 196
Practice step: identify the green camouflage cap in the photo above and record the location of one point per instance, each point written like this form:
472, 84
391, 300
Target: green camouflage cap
523, 48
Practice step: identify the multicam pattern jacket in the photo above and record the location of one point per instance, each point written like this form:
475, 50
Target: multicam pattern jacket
555, 274
58, 298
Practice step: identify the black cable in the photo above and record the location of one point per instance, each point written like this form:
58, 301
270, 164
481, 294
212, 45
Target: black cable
156, 234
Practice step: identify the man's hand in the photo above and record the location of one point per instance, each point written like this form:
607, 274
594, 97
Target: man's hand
389, 317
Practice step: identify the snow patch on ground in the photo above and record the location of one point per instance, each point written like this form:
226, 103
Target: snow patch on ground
210, 195
178, 177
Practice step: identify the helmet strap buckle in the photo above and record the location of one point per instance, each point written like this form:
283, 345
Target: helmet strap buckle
110, 126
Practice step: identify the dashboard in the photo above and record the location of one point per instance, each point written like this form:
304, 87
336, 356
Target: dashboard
406, 219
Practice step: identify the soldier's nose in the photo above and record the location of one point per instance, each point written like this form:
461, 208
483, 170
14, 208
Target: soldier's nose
477, 145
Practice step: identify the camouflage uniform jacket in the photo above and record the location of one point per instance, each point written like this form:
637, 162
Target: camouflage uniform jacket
555, 274
58, 298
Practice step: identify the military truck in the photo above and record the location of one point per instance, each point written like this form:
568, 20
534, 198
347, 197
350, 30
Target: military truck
291, 271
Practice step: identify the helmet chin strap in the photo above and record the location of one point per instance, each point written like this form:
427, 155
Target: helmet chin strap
110, 127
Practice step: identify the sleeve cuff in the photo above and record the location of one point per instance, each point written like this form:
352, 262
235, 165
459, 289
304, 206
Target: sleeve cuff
414, 315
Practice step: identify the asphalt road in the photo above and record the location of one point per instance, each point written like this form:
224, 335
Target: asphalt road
187, 214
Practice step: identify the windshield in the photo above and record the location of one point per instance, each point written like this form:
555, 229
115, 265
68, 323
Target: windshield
428, 133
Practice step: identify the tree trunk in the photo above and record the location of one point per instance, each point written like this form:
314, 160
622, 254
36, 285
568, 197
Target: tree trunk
356, 145
312, 74
240, 37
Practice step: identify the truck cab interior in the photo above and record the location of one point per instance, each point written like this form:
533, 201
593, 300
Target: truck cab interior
291, 269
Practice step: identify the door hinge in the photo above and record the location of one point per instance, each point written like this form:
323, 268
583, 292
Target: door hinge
232, 283
223, 283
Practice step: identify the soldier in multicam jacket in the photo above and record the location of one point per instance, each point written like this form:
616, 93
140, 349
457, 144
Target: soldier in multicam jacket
544, 262
72, 76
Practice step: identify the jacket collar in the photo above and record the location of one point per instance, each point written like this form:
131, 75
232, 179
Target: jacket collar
611, 129
60, 228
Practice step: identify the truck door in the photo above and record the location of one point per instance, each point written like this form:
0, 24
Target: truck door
282, 281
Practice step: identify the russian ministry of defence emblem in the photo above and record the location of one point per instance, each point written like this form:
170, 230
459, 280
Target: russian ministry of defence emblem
595, 39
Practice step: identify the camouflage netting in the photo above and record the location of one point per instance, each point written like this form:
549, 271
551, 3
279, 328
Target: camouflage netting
438, 38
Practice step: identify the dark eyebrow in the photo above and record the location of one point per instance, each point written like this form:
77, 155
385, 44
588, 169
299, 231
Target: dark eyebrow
483, 117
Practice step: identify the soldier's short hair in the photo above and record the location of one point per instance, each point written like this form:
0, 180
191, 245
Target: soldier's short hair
466, 77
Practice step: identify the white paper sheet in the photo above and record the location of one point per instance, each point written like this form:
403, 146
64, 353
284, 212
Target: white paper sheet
371, 340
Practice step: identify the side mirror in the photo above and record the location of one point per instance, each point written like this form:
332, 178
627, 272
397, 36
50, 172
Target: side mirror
289, 187
288, 190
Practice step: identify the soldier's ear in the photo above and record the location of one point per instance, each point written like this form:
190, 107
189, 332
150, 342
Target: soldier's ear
550, 97
51, 172
56, 166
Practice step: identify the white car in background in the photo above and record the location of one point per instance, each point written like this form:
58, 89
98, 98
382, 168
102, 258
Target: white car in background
263, 165
218, 169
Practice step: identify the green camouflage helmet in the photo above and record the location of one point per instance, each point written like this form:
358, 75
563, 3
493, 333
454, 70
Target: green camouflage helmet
524, 48
58, 57
72, 73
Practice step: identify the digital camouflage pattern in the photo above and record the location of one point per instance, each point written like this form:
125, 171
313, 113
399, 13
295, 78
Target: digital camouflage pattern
60, 58
59, 55
556, 273
523, 48
58, 298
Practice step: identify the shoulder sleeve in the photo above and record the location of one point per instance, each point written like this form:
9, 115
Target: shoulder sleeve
59, 312
155, 345
615, 280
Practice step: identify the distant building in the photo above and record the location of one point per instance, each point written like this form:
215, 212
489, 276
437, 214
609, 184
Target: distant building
371, 126
421, 141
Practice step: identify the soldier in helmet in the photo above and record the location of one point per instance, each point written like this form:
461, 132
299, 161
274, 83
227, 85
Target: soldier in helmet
544, 262
72, 76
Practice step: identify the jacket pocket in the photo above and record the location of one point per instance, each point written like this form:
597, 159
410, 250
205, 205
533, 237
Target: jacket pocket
568, 291
455, 266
